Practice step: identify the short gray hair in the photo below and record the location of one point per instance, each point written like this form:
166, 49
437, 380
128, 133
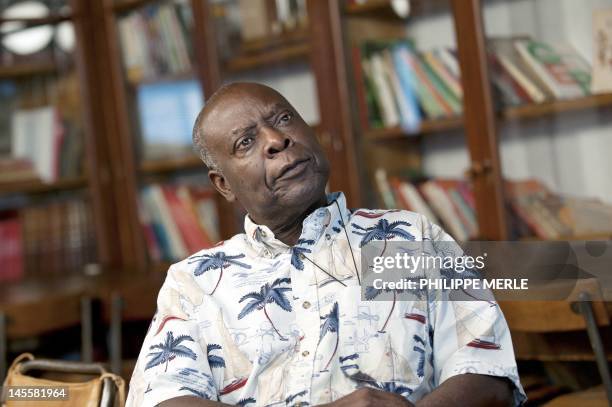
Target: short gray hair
199, 144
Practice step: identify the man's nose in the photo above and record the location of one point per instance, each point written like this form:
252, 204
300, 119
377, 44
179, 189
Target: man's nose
275, 141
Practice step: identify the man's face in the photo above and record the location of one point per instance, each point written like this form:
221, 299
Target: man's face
270, 159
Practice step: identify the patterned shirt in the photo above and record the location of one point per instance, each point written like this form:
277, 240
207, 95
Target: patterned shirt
254, 322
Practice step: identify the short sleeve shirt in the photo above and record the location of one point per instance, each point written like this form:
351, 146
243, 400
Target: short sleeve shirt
254, 322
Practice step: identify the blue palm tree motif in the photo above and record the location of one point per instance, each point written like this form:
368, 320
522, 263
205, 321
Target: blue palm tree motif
330, 324
371, 293
393, 387
421, 351
297, 251
292, 397
268, 294
217, 260
245, 402
383, 230
214, 360
201, 394
170, 349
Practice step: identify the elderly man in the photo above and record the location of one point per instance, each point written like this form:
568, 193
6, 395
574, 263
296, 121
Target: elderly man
274, 316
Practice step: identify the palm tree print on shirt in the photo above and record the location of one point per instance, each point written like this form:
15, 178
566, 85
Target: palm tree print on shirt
218, 260
383, 230
330, 324
297, 252
371, 293
268, 294
421, 352
169, 350
214, 360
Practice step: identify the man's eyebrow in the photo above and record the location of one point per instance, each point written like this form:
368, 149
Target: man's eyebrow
241, 130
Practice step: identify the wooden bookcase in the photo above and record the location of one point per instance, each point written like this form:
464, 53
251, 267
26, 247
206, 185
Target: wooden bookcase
113, 173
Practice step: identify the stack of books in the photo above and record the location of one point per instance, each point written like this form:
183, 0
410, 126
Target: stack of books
155, 41
400, 87
178, 220
55, 238
536, 211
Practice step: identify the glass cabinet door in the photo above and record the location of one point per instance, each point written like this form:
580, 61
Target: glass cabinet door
550, 69
46, 221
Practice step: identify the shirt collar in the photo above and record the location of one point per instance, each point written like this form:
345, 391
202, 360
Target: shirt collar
327, 220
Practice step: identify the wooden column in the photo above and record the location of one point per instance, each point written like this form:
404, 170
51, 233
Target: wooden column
485, 170
98, 160
328, 64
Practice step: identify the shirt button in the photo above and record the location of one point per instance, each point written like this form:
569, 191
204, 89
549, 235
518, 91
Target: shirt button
302, 256
305, 353
306, 304
327, 236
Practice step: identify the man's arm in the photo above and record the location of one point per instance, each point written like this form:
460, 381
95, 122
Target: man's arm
470, 390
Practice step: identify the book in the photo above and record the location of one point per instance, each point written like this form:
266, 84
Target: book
409, 89
449, 59
186, 221
425, 90
409, 197
167, 112
511, 61
546, 62
36, 136
410, 117
450, 102
384, 91
384, 188
452, 82
11, 250
578, 67
444, 209
602, 58
511, 93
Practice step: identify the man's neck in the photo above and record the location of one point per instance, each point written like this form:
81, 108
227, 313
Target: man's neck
290, 230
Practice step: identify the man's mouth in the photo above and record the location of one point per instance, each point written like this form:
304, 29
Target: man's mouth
293, 169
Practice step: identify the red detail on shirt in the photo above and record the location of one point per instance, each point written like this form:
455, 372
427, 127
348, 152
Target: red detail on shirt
417, 317
370, 215
235, 385
166, 319
478, 343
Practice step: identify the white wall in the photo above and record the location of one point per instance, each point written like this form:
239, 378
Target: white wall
571, 153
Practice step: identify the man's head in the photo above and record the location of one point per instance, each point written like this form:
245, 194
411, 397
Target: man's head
260, 152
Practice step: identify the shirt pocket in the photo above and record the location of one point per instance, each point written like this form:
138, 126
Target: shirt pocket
377, 342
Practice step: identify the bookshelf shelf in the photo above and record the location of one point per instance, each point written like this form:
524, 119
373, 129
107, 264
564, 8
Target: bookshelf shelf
30, 187
173, 77
153, 167
264, 58
24, 70
123, 6
531, 111
383, 8
560, 106
597, 236
427, 127
51, 19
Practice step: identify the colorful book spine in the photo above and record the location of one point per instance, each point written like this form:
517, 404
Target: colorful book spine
410, 116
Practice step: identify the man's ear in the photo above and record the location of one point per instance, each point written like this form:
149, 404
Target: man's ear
221, 185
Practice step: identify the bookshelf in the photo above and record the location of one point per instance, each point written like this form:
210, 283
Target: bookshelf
486, 121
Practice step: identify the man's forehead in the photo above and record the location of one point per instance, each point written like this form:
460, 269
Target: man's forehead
239, 109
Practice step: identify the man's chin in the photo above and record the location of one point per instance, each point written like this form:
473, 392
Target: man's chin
301, 194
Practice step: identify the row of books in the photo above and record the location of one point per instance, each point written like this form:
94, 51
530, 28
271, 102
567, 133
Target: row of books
401, 87
549, 215
156, 40
43, 147
535, 210
444, 202
178, 220
45, 239
527, 71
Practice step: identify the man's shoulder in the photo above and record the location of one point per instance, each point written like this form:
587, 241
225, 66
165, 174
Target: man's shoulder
213, 254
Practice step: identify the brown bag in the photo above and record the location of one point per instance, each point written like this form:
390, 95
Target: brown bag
105, 390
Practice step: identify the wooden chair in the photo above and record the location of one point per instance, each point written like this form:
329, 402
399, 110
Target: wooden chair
131, 301
43, 315
582, 310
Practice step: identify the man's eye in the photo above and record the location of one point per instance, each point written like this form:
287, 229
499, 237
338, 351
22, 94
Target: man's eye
245, 142
286, 117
